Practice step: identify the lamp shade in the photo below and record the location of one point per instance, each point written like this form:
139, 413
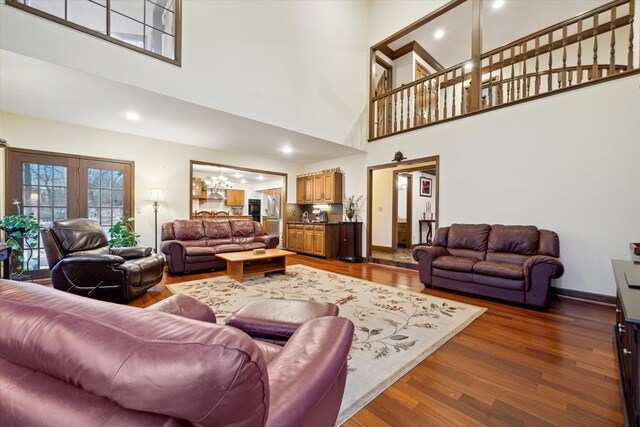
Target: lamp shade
155, 195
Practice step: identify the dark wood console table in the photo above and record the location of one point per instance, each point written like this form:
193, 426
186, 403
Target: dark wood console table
429, 230
350, 241
625, 333
5, 258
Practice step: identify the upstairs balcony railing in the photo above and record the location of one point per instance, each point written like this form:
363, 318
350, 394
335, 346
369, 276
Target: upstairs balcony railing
592, 47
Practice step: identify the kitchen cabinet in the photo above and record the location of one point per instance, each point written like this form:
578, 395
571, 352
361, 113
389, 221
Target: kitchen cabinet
313, 239
323, 187
234, 198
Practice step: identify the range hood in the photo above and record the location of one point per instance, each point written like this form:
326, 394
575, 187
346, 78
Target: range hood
216, 196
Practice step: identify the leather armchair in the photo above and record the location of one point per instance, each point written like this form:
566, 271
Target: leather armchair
82, 263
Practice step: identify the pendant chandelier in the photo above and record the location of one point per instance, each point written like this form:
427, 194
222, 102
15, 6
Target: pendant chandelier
218, 184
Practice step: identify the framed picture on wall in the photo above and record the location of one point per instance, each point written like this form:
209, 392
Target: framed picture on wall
425, 186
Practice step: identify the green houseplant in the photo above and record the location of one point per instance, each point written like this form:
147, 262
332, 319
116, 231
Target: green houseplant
122, 234
20, 232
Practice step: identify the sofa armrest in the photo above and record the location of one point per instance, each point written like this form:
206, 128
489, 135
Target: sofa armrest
310, 371
172, 247
185, 306
131, 252
556, 270
425, 256
538, 271
270, 241
92, 259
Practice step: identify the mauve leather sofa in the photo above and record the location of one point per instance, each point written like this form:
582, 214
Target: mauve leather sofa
66, 360
509, 262
192, 245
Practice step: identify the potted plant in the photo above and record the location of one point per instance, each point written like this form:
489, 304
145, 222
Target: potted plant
122, 234
21, 233
351, 205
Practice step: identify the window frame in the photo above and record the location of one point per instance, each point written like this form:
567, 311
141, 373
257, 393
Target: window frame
177, 24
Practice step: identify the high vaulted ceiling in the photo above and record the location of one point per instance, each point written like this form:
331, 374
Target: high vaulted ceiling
40, 89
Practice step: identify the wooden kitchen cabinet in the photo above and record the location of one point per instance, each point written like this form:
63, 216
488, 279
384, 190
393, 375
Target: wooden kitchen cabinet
319, 188
314, 239
235, 198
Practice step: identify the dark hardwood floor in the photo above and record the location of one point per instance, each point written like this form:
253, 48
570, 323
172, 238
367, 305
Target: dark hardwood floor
513, 366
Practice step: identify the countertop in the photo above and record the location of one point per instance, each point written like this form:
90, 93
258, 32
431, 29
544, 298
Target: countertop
312, 223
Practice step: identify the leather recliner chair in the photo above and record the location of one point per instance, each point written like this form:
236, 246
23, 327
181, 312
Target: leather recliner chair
81, 262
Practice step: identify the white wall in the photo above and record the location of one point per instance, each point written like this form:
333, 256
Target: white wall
159, 164
567, 163
267, 61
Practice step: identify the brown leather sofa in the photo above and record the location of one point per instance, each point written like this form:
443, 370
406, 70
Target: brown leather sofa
72, 361
509, 262
192, 244
81, 262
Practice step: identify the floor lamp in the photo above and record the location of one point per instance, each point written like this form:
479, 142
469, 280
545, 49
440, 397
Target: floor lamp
156, 196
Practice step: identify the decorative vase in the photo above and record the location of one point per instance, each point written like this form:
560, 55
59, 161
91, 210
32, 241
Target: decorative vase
350, 213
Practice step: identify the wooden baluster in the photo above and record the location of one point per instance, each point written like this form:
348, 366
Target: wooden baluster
462, 98
513, 74
537, 88
429, 102
395, 112
490, 80
570, 76
550, 71
594, 67
612, 58
446, 87
437, 96
402, 109
560, 78
525, 93
579, 63
453, 94
630, 54
564, 57
416, 96
424, 103
408, 108
501, 77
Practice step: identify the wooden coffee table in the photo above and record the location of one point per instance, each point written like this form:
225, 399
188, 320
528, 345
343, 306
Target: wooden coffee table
246, 263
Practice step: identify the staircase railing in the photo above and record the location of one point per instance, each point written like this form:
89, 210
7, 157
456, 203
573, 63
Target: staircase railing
594, 46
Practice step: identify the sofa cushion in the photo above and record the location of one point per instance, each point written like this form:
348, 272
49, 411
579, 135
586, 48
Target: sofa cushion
454, 263
549, 244
499, 269
510, 258
516, 239
221, 249
187, 229
242, 228
200, 251
257, 228
468, 236
79, 235
499, 282
218, 242
453, 275
253, 245
216, 229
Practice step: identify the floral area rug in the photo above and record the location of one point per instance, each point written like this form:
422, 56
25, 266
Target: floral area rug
395, 329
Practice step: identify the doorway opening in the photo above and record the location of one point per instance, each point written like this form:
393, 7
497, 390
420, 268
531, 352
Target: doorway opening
402, 209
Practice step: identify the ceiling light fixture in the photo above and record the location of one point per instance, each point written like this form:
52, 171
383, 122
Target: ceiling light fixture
439, 34
468, 66
132, 115
287, 149
260, 178
497, 4
237, 175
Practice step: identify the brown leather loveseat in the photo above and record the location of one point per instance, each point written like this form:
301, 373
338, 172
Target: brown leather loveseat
510, 262
192, 244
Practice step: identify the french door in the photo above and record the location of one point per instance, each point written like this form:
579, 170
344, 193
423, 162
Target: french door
54, 186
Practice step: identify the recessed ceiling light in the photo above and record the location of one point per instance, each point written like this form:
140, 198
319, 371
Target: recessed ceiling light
261, 178
132, 115
243, 181
237, 175
287, 149
439, 34
497, 4
468, 66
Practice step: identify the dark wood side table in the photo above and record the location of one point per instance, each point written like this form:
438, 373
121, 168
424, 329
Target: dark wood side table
625, 333
5, 258
350, 236
429, 230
